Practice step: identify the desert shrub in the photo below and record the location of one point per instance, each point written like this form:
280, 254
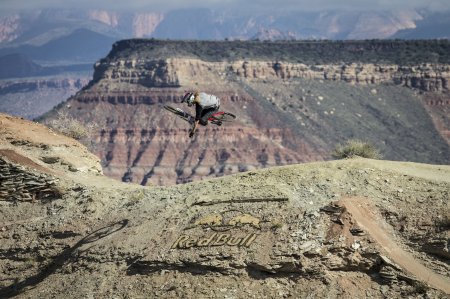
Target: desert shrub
443, 223
420, 287
135, 197
356, 148
71, 127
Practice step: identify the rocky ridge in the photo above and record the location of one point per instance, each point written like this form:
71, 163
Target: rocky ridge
20, 85
168, 73
279, 232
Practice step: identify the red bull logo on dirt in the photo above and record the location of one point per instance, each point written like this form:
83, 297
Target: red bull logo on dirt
226, 229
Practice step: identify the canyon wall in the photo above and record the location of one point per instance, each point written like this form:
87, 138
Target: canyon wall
139, 141
287, 112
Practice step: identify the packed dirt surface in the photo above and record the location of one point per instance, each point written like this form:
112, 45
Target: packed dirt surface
366, 216
355, 228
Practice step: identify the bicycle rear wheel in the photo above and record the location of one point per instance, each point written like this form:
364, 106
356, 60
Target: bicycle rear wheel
223, 116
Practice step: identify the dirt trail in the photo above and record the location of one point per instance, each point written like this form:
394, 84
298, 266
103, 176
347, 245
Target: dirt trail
366, 215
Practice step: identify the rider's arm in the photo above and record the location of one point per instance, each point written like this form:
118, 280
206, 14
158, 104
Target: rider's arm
198, 114
195, 125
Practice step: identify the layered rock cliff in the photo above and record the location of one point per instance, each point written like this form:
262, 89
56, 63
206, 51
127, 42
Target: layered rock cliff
32, 97
288, 112
141, 142
166, 73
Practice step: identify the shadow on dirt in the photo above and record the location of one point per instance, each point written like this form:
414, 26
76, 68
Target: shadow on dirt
62, 259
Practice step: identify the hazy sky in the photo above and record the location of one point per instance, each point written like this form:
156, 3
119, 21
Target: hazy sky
161, 5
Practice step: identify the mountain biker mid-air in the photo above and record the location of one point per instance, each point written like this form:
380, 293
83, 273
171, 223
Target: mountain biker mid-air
205, 106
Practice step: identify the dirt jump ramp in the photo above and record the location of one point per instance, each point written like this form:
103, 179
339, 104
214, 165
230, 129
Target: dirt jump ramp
369, 219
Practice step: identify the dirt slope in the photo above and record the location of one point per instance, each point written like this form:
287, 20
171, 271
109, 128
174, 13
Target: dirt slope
66, 230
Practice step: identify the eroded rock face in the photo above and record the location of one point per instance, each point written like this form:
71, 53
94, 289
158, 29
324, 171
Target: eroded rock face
142, 143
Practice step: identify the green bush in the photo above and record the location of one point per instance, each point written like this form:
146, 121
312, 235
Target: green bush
356, 148
71, 127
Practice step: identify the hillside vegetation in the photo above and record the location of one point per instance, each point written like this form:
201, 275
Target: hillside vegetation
309, 52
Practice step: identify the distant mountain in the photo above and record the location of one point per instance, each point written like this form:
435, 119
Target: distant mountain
433, 26
21, 66
18, 65
41, 27
211, 24
64, 37
81, 46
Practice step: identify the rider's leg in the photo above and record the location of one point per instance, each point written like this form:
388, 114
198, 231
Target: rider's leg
206, 113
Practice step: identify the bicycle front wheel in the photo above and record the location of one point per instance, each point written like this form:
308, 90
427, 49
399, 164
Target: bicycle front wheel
173, 110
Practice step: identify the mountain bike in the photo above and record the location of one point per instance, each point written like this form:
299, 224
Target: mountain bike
216, 118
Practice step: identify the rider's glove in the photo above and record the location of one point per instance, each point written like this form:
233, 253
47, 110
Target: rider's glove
192, 131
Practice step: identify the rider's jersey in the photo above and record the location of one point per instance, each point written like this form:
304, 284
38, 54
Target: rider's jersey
207, 100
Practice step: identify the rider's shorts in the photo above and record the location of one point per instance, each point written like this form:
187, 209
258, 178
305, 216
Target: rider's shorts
207, 113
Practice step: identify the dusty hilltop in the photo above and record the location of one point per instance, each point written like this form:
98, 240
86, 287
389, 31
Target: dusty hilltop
354, 228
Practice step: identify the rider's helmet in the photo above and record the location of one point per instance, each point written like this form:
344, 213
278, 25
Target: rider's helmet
189, 98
